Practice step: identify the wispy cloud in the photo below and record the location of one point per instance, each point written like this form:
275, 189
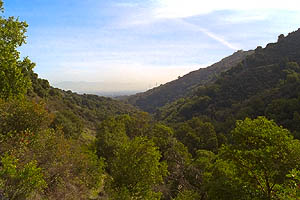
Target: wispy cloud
208, 33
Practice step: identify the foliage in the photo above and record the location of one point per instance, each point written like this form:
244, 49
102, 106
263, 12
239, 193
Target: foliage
187, 195
75, 112
196, 134
14, 79
262, 155
136, 170
20, 182
111, 136
69, 169
225, 183
71, 124
290, 190
19, 115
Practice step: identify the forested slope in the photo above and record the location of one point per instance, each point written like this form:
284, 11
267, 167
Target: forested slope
76, 112
157, 97
265, 83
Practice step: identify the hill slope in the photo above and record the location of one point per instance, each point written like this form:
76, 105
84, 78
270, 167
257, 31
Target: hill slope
159, 96
265, 83
74, 110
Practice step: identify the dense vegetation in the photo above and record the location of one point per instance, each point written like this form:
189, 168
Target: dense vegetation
60, 145
266, 83
74, 110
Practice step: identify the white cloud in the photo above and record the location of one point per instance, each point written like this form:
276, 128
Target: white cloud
189, 8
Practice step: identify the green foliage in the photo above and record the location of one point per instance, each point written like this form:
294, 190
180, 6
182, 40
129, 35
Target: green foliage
14, 80
203, 161
225, 183
21, 115
71, 108
196, 134
69, 168
137, 124
40, 86
291, 190
111, 136
71, 124
198, 172
136, 171
177, 157
187, 195
20, 182
262, 154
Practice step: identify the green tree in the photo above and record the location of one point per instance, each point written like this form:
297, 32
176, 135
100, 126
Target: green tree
137, 170
176, 155
196, 134
262, 155
223, 183
14, 73
111, 136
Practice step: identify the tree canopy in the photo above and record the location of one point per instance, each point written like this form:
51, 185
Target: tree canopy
14, 79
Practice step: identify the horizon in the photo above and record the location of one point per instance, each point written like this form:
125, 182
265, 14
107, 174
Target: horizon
143, 44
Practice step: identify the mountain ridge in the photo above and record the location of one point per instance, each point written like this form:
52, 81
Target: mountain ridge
157, 97
266, 83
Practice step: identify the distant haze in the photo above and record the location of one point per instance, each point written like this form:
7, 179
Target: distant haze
130, 45
110, 89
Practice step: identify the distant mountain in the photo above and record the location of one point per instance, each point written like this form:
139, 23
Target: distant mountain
108, 89
157, 97
265, 83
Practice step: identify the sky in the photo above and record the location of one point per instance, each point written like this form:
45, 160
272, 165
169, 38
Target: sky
134, 45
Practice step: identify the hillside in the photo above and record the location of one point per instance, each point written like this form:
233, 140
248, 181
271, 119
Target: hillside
265, 83
157, 97
73, 110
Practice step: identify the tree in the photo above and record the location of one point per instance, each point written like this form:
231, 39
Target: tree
262, 155
136, 171
196, 134
111, 136
14, 73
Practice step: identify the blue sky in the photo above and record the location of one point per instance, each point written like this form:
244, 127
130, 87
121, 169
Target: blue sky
135, 45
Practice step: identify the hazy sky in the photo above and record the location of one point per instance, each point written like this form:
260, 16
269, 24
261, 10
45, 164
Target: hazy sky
144, 42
